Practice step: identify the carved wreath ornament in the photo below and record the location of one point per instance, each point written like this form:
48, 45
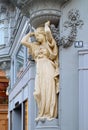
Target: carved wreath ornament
73, 23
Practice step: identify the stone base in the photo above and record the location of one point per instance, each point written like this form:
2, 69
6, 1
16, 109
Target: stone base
47, 125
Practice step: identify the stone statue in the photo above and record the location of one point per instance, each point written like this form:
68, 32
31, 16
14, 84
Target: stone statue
45, 54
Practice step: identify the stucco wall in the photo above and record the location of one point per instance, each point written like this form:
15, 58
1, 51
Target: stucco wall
69, 78
69, 85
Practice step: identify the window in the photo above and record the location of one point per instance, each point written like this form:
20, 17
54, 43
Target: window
10, 120
20, 61
1, 32
18, 64
25, 124
3, 87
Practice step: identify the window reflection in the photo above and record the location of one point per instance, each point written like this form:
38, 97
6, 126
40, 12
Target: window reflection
1, 32
20, 61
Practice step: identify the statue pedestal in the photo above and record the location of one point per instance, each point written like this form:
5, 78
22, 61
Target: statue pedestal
47, 125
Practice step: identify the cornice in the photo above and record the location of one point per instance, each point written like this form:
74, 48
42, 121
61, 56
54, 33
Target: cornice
40, 11
23, 3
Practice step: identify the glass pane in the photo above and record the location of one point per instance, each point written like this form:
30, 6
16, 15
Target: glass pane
1, 33
20, 61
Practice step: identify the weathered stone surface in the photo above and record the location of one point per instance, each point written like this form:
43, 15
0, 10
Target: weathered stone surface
40, 11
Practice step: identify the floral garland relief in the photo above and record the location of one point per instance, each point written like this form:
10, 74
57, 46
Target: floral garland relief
74, 23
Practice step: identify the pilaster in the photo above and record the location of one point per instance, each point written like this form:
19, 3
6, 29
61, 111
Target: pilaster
83, 89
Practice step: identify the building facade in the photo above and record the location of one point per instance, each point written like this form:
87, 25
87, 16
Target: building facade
3, 101
69, 17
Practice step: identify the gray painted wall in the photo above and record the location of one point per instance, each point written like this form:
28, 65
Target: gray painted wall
72, 116
83, 89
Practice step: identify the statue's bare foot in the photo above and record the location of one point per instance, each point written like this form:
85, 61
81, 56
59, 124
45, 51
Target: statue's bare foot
37, 119
40, 119
50, 118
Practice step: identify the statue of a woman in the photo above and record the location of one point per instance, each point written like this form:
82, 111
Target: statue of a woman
45, 54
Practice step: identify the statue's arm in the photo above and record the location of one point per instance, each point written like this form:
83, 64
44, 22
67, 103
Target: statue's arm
49, 36
48, 31
25, 40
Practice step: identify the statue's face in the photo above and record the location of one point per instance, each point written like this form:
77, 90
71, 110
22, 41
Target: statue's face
39, 37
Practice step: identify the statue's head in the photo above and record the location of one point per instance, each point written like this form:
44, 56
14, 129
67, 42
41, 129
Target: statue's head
40, 34
40, 30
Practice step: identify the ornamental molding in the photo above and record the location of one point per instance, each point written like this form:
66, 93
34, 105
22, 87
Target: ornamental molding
56, 33
6, 8
27, 7
74, 23
38, 18
5, 65
22, 3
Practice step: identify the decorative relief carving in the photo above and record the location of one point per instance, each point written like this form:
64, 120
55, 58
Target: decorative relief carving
3, 8
20, 3
55, 32
5, 65
74, 23
23, 5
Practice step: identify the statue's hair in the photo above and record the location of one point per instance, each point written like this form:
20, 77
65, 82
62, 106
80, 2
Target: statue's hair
40, 30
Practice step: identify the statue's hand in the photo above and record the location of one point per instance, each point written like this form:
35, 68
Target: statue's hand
31, 34
47, 23
26, 38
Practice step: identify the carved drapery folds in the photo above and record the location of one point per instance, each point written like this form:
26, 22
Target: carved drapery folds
45, 53
74, 23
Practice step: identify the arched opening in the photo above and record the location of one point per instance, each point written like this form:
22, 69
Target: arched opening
3, 101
